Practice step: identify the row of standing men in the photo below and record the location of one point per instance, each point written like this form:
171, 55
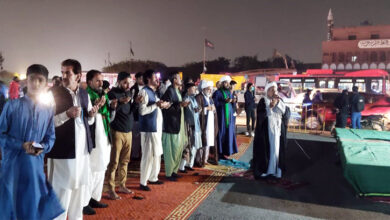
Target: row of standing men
88, 137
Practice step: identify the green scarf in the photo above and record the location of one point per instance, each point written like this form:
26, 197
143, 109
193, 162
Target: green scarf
225, 96
104, 110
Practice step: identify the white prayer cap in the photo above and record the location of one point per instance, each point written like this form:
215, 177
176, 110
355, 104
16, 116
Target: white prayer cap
210, 84
225, 78
270, 85
202, 84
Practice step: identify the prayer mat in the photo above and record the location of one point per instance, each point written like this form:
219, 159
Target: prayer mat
172, 200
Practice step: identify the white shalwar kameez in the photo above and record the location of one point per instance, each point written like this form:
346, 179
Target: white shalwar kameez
210, 138
151, 143
71, 178
99, 159
274, 128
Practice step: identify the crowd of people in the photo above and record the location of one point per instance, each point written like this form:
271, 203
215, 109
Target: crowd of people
87, 135
349, 105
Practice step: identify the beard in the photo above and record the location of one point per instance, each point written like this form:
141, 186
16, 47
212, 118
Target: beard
207, 94
226, 87
99, 90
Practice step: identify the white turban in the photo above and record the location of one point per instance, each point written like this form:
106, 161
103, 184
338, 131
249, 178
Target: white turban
225, 78
210, 84
270, 85
204, 84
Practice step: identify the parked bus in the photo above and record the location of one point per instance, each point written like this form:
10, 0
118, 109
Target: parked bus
373, 85
374, 81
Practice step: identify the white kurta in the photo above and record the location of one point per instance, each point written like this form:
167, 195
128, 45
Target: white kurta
210, 136
99, 159
151, 144
100, 155
274, 131
71, 177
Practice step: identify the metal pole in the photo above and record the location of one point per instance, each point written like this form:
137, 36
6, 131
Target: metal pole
204, 56
323, 118
305, 118
130, 50
319, 120
130, 61
300, 120
285, 62
312, 114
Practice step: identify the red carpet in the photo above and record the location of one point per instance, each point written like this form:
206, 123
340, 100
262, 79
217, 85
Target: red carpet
172, 200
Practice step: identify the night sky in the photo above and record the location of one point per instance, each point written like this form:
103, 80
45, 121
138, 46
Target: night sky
170, 31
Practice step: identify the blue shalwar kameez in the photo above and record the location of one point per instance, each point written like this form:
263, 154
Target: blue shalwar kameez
24, 190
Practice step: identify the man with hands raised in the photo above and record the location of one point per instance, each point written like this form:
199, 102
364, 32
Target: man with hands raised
69, 169
101, 138
121, 128
151, 121
173, 137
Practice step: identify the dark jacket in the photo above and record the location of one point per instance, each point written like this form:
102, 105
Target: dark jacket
317, 99
354, 100
306, 99
135, 106
249, 100
65, 144
342, 103
124, 120
172, 115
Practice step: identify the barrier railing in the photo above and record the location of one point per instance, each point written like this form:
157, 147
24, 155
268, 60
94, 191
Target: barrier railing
308, 118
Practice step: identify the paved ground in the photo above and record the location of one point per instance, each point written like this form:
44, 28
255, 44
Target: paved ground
326, 195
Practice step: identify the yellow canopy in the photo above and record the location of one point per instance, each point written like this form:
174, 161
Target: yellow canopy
216, 77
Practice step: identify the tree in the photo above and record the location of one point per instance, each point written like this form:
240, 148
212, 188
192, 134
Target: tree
244, 63
191, 70
134, 66
194, 69
221, 64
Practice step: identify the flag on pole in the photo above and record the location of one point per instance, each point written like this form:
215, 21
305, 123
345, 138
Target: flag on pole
131, 49
208, 44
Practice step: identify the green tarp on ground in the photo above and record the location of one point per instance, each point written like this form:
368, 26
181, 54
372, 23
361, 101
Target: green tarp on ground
365, 156
371, 134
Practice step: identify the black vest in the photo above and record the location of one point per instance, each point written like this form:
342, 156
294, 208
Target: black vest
148, 123
172, 115
65, 144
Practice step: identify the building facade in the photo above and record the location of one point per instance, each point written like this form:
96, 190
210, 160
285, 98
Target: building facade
356, 48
